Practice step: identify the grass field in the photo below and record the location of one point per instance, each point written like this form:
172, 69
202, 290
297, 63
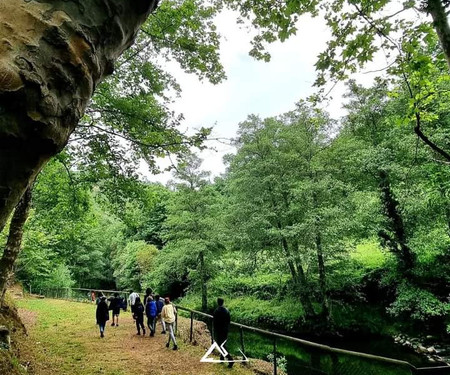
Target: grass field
65, 340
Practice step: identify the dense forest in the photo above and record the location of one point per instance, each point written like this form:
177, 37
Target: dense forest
341, 224
319, 223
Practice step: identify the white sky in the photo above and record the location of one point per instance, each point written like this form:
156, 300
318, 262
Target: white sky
252, 87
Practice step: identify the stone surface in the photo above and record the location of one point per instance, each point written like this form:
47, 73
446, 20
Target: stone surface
53, 53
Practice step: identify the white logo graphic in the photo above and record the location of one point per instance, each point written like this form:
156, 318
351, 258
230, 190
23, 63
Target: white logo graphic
223, 352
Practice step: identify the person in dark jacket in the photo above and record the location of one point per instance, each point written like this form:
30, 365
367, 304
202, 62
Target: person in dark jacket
102, 315
221, 322
151, 312
159, 306
139, 315
99, 298
114, 305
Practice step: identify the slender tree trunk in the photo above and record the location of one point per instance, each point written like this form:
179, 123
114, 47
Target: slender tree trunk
290, 262
295, 267
305, 293
322, 277
303, 285
321, 263
398, 243
13, 244
299, 278
52, 56
446, 206
203, 281
437, 11
447, 216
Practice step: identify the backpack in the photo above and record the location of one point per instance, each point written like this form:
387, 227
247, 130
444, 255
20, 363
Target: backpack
151, 309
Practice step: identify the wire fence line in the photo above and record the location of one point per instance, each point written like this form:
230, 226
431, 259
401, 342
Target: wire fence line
309, 358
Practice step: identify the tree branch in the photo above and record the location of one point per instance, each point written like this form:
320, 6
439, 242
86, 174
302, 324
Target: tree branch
427, 141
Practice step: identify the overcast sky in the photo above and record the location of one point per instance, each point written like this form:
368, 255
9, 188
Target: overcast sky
252, 87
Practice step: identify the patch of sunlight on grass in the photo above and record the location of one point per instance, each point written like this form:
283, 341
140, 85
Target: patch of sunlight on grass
369, 254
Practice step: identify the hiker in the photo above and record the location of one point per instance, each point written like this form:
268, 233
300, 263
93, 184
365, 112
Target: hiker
148, 293
102, 315
132, 300
159, 306
168, 315
221, 323
151, 312
138, 315
114, 305
99, 298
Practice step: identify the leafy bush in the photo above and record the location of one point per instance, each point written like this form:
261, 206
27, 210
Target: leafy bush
418, 304
260, 286
282, 315
132, 263
60, 277
281, 361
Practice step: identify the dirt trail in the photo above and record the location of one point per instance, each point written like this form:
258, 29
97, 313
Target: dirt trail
66, 341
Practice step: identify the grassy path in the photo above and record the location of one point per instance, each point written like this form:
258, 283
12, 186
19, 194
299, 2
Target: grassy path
65, 340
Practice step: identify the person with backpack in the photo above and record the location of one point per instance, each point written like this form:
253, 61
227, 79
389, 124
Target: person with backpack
168, 315
102, 315
114, 305
138, 315
151, 312
159, 306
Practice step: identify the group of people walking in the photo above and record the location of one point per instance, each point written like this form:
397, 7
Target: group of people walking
152, 306
160, 309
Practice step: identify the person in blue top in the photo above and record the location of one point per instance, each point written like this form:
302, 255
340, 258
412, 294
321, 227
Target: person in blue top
151, 312
159, 306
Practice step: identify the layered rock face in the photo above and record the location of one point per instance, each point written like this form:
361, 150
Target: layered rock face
53, 53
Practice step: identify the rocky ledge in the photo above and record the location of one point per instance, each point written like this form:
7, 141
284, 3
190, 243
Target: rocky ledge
429, 346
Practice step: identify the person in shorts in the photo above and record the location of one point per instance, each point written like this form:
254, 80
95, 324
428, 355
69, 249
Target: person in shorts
114, 306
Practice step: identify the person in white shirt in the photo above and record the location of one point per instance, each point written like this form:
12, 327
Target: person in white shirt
132, 300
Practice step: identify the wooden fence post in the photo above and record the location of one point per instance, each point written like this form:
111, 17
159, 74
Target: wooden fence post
192, 327
241, 333
176, 323
275, 356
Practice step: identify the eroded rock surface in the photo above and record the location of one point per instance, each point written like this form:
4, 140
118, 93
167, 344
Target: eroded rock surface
52, 56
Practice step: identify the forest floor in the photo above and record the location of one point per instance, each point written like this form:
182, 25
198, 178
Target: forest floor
64, 339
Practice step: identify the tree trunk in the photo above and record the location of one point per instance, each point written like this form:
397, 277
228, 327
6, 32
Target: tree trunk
203, 281
299, 278
14, 241
295, 267
305, 293
303, 285
320, 261
53, 53
322, 277
440, 21
397, 244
